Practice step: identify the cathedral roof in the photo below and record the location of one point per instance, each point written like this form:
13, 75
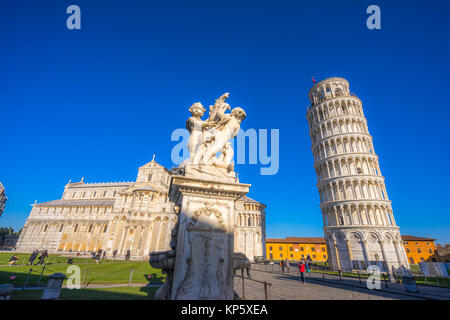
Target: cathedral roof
102, 184
246, 199
148, 188
76, 202
153, 164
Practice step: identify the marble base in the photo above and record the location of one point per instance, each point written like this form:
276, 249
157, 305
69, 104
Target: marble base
204, 246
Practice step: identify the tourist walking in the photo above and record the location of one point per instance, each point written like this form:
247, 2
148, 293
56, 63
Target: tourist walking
33, 257
282, 266
13, 260
308, 264
286, 265
301, 269
248, 272
42, 257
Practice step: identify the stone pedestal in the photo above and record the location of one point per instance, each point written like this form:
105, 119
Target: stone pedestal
203, 267
53, 288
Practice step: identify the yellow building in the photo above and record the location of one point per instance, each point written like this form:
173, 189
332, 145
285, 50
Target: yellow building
295, 248
419, 249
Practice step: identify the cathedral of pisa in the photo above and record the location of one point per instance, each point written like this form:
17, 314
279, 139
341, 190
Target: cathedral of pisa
126, 218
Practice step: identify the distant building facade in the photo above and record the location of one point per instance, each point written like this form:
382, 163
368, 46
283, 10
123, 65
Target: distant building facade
2, 199
297, 248
125, 219
419, 249
442, 253
359, 224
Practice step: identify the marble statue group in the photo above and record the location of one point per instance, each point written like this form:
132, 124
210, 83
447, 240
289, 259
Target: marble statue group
211, 136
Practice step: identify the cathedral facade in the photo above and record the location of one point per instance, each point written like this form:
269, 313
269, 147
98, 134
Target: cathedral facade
126, 218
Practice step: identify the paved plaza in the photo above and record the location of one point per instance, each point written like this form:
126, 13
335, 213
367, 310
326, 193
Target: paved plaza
288, 287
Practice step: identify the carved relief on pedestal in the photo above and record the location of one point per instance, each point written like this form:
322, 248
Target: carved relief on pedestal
207, 256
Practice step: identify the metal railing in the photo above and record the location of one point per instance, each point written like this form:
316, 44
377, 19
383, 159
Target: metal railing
342, 274
327, 273
267, 286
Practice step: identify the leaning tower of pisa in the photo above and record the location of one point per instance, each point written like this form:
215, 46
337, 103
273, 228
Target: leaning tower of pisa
359, 225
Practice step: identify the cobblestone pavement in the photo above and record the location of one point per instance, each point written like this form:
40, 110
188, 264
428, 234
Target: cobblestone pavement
288, 287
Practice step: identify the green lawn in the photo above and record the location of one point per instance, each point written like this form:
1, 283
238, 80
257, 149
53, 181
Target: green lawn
119, 293
105, 272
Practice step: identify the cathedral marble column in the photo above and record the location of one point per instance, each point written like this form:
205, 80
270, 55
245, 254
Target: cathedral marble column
122, 241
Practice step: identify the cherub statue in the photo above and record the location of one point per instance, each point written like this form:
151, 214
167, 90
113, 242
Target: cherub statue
213, 135
195, 125
225, 130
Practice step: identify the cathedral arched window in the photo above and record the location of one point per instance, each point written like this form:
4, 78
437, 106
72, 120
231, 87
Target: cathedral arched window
75, 228
61, 228
105, 228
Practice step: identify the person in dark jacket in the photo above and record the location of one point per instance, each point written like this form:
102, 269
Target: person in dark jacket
248, 271
42, 257
33, 257
286, 265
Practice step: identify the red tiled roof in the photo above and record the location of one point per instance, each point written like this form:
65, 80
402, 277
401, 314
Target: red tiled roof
297, 240
414, 238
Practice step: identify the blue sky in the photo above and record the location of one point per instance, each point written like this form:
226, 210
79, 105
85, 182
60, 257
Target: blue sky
98, 102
